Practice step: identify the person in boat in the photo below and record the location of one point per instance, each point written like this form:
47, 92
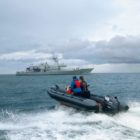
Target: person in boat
83, 84
68, 90
75, 86
84, 87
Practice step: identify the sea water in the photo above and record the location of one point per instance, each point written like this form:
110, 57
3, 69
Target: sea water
28, 113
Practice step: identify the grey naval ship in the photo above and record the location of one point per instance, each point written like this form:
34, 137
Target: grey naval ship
56, 69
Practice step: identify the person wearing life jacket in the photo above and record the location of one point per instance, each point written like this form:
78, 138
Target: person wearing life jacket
75, 86
68, 90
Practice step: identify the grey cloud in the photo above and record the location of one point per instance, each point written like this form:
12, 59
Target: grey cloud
115, 51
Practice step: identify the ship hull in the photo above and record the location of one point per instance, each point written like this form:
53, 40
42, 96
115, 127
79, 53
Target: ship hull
58, 72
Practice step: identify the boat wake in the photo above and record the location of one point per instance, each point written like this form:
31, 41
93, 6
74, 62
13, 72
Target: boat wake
64, 123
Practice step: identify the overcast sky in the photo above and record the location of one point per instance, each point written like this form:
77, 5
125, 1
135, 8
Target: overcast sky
100, 33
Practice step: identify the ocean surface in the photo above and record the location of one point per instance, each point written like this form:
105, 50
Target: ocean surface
28, 113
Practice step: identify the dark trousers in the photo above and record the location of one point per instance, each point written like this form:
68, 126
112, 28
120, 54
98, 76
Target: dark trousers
86, 94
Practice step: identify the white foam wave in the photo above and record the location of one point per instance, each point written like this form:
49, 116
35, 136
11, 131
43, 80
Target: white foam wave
131, 118
66, 124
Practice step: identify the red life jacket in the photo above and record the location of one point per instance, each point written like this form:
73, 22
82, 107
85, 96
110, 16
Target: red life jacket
77, 84
69, 91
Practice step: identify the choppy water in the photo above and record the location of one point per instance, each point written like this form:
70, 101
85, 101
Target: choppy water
28, 113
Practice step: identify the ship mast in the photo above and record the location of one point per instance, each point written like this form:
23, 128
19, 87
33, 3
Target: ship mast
55, 59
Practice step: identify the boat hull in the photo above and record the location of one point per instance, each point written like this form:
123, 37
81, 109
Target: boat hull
90, 104
58, 72
71, 100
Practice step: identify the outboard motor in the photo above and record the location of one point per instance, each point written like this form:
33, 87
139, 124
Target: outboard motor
111, 104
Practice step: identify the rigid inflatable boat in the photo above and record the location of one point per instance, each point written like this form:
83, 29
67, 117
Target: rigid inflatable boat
96, 103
